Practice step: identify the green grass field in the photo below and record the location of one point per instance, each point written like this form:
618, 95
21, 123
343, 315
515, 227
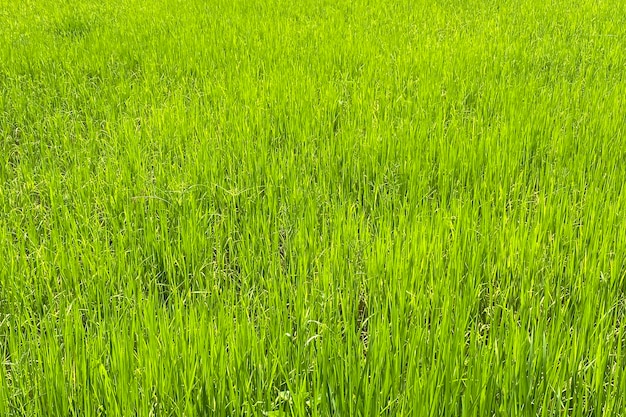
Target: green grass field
312, 208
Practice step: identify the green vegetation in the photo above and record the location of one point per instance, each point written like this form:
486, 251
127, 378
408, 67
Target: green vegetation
312, 208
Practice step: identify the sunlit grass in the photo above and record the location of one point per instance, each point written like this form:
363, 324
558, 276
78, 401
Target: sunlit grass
312, 208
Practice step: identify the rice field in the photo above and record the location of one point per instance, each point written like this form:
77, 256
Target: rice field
313, 208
